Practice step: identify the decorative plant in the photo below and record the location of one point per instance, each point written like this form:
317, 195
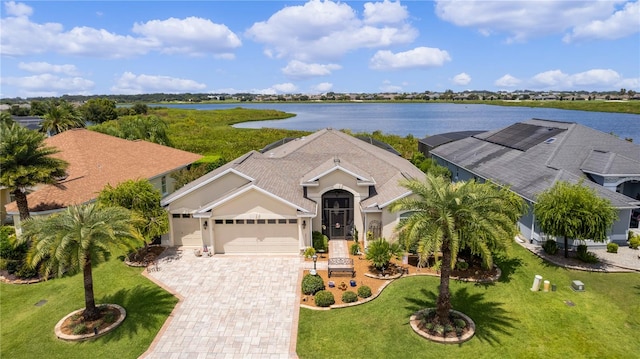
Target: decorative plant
381, 251
311, 284
320, 241
324, 298
550, 247
634, 242
364, 291
349, 297
354, 249
309, 252
612, 247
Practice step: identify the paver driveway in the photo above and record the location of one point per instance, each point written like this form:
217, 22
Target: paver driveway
231, 307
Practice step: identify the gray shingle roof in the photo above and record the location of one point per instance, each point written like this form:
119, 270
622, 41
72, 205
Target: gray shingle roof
529, 172
282, 170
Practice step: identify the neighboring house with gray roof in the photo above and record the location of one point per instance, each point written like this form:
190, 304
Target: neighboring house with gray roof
531, 156
272, 201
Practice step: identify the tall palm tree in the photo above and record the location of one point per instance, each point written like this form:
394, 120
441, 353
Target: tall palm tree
59, 117
25, 161
76, 240
449, 217
5, 118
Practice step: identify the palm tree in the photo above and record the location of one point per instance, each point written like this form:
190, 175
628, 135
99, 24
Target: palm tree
59, 117
574, 211
449, 217
25, 161
76, 240
5, 118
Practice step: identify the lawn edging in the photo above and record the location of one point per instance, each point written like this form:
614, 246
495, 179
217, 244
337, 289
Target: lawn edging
79, 337
390, 280
414, 321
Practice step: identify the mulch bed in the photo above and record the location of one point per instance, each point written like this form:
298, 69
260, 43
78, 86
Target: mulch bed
144, 256
101, 323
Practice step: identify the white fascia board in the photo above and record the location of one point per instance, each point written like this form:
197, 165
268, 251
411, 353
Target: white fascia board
177, 195
337, 167
611, 174
244, 190
406, 194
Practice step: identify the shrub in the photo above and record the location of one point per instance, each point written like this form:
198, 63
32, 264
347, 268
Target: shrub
380, 252
364, 291
612, 247
354, 249
582, 249
110, 317
462, 265
634, 242
309, 252
311, 284
587, 257
320, 241
349, 297
79, 329
459, 323
550, 247
324, 298
439, 329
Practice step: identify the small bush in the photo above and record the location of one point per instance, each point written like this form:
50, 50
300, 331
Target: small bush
438, 328
311, 284
324, 298
459, 323
612, 247
364, 291
550, 247
320, 241
582, 249
588, 257
349, 297
110, 317
354, 249
309, 252
79, 329
462, 265
634, 242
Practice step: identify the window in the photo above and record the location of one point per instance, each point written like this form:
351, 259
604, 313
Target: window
163, 182
175, 215
261, 221
271, 221
218, 221
239, 221
282, 221
186, 215
293, 221
251, 221
228, 221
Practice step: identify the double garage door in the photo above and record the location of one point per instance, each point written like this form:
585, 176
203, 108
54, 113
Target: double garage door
277, 236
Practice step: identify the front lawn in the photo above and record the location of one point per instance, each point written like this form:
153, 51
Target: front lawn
511, 321
27, 330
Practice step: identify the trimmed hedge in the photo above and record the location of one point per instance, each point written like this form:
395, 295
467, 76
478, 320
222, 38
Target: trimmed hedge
324, 298
349, 297
364, 291
311, 284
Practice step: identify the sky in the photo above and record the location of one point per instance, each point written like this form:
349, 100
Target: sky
52, 48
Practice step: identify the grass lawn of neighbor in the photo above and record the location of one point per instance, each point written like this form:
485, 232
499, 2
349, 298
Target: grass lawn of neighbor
511, 320
27, 329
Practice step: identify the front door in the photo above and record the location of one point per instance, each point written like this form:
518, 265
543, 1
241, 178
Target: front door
337, 214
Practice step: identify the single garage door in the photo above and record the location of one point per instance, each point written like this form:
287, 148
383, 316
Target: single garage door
278, 236
186, 232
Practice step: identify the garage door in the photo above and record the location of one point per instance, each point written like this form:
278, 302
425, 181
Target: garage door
256, 236
186, 232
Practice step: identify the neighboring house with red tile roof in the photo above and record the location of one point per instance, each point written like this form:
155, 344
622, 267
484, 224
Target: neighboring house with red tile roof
95, 160
272, 201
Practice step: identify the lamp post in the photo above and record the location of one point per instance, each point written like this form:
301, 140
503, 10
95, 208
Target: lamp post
315, 259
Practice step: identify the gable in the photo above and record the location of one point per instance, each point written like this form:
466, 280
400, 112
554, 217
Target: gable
254, 204
209, 191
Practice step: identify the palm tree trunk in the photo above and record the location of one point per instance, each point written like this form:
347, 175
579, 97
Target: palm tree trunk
23, 205
443, 305
566, 247
90, 311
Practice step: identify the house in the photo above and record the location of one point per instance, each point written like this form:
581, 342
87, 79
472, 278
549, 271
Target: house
273, 200
95, 160
531, 156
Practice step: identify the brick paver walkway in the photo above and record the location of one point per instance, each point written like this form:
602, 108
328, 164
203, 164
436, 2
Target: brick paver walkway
231, 306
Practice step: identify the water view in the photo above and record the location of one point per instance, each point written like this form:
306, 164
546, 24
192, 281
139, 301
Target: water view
423, 119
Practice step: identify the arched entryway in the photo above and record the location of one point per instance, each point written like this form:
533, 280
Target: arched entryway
337, 214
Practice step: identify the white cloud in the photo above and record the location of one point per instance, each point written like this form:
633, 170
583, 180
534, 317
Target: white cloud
44, 67
385, 12
50, 84
620, 24
285, 87
299, 69
507, 81
192, 35
420, 57
326, 30
522, 20
387, 86
322, 87
594, 79
18, 9
462, 79
130, 83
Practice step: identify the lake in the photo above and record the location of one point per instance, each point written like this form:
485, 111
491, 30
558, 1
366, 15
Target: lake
423, 119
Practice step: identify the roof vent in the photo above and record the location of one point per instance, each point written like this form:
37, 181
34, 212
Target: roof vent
550, 140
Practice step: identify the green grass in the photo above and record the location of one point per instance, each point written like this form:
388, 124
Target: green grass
511, 321
27, 331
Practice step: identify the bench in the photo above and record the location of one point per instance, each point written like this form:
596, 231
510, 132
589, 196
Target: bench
341, 265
